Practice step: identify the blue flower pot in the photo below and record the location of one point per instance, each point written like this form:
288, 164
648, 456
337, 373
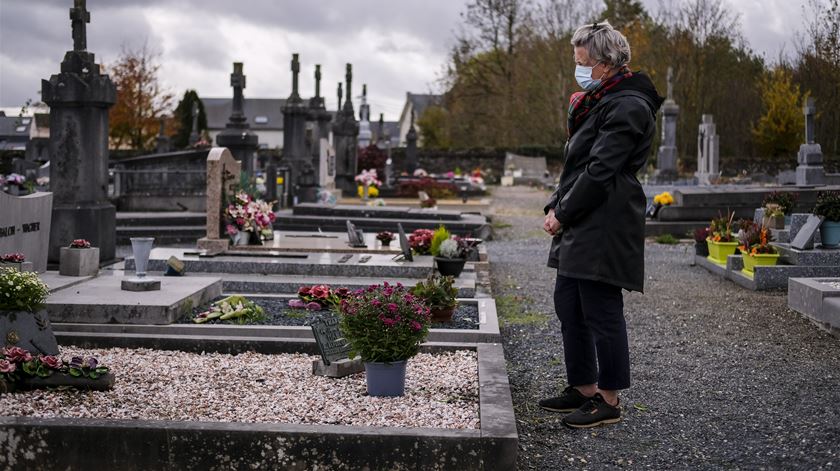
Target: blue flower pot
385, 379
830, 234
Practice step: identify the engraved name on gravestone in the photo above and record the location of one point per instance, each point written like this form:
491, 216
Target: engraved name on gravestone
331, 342
406, 248
25, 226
805, 237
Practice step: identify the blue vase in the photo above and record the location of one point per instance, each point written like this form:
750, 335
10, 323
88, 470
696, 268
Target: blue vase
830, 234
385, 379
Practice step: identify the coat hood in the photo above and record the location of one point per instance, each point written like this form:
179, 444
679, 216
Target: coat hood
641, 83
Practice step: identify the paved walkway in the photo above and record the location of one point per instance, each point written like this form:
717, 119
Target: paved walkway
724, 378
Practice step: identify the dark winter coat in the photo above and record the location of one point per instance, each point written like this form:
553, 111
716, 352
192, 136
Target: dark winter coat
599, 201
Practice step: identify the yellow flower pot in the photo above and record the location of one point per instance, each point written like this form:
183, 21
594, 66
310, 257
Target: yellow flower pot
718, 251
752, 261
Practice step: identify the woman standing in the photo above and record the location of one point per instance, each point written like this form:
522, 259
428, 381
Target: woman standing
597, 218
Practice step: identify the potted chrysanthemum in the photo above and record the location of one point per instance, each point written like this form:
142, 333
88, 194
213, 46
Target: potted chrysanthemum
79, 259
385, 326
721, 241
439, 294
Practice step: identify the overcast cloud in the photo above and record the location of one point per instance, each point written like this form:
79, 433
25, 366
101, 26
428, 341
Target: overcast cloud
394, 46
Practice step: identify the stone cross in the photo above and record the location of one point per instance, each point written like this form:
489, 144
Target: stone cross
237, 81
349, 77
317, 80
810, 110
381, 136
295, 72
79, 16
670, 78
339, 96
194, 134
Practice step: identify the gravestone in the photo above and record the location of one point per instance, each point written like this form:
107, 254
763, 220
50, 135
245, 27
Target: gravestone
237, 136
810, 170
295, 156
411, 161
404, 245
25, 226
162, 140
79, 98
326, 165
364, 120
334, 349
708, 152
355, 237
345, 133
804, 238
28, 330
666, 158
320, 118
526, 169
222, 176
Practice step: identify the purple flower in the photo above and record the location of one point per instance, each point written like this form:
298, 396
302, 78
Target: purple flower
313, 306
392, 307
388, 291
388, 322
409, 298
297, 304
376, 303
415, 326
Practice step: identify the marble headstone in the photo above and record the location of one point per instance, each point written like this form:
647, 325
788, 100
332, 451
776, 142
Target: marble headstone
25, 226
804, 238
404, 245
222, 176
29, 331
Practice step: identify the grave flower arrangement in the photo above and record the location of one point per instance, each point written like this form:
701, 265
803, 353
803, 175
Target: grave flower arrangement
721, 242
315, 298
385, 237
368, 178
237, 309
438, 294
21, 291
80, 244
14, 257
18, 365
420, 241
15, 179
247, 214
384, 323
755, 247
663, 199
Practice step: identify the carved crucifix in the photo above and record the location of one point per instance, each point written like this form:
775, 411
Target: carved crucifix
339, 95
349, 78
237, 81
810, 110
317, 80
670, 78
79, 17
295, 72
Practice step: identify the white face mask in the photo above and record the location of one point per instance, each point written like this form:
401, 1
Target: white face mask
583, 75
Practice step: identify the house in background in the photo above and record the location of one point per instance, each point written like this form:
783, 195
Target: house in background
264, 115
417, 103
26, 129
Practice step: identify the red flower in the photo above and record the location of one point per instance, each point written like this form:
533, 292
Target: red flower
50, 361
342, 292
304, 291
17, 355
7, 367
321, 291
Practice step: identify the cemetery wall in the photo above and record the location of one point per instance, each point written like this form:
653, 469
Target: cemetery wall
490, 159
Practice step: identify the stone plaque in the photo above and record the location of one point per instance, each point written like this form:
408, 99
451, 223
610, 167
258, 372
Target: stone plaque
29, 331
528, 167
356, 237
805, 237
25, 226
406, 248
331, 342
222, 175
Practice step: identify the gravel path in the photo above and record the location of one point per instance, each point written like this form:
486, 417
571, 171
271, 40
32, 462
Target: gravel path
724, 378
441, 391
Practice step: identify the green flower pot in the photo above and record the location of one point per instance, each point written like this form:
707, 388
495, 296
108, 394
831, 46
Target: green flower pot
752, 261
718, 251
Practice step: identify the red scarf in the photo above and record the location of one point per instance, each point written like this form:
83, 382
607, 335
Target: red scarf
582, 102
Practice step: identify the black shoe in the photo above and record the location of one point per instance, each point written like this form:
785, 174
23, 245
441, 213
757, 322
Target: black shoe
595, 412
570, 400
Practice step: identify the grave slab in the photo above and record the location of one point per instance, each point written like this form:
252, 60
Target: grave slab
818, 256
101, 300
318, 242
818, 299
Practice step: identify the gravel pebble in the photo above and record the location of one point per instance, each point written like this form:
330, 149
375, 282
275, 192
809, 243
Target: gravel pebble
441, 391
723, 377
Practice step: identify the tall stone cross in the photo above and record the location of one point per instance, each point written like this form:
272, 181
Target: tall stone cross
810, 110
295, 72
317, 80
339, 96
79, 17
237, 81
670, 78
348, 103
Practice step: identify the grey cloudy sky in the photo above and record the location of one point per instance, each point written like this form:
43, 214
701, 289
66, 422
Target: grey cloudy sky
394, 46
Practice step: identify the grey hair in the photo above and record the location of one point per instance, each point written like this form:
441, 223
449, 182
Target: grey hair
604, 43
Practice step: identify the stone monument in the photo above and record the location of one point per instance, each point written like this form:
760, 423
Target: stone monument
162, 141
810, 171
79, 98
222, 176
411, 148
320, 119
345, 133
666, 159
25, 226
194, 136
708, 152
295, 156
237, 136
364, 120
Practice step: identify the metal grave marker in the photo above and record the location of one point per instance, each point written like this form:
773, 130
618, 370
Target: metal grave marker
406, 249
331, 342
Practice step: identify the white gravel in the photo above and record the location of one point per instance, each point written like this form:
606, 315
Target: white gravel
441, 391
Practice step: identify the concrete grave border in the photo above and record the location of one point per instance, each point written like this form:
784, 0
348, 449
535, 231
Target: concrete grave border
817, 301
65, 443
488, 331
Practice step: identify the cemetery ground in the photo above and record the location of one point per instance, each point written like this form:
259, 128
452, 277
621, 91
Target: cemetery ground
723, 377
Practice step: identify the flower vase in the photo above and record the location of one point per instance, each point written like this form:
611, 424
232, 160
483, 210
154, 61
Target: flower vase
450, 266
385, 379
720, 251
830, 234
442, 314
141, 247
78, 262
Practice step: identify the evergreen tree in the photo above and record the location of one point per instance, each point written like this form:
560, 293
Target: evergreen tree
183, 119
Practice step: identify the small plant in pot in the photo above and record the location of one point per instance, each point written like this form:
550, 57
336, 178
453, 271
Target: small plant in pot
786, 200
828, 206
700, 246
721, 241
79, 259
774, 216
755, 247
385, 326
438, 293
450, 260
385, 237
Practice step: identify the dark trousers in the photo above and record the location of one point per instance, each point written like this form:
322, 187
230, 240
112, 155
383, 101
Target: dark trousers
591, 315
